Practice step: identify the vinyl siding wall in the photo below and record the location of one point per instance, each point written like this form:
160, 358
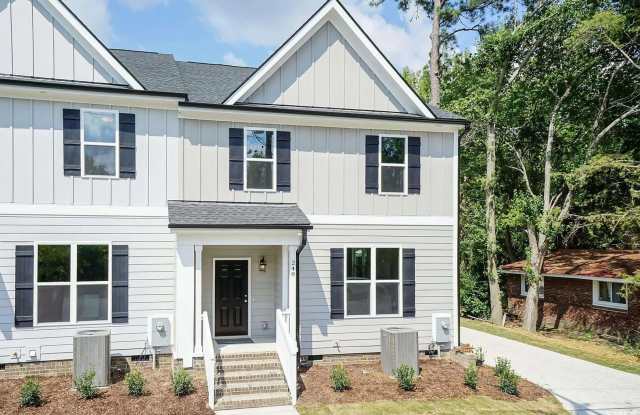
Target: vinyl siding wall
434, 286
33, 43
326, 72
151, 279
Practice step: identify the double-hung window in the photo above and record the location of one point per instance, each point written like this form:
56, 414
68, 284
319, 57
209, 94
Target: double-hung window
373, 280
609, 294
260, 159
99, 143
524, 287
393, 164
73, 283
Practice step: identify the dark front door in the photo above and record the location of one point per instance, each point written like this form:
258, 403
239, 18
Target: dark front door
232, 298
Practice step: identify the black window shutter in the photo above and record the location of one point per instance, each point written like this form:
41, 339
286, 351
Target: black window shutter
24, 286
414, 165
337, 283
371, 164
127, 145
120, 284
236, 159
71, 141
409, 282
283, 172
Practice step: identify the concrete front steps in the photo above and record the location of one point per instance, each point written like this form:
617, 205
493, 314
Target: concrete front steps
250, 380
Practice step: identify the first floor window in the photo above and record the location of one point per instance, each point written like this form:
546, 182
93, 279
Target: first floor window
393, 164
524, 287
260, 165
99, 133
72, 283
609, 294
373, 279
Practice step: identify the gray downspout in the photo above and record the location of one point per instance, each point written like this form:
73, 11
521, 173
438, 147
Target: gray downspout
303, 243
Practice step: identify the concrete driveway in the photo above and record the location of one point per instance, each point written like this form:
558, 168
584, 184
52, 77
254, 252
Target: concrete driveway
582, 387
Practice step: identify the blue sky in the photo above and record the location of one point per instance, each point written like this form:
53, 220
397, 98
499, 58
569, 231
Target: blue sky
245, 32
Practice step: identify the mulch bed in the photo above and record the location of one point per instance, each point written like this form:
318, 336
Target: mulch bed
60, 398
439, 379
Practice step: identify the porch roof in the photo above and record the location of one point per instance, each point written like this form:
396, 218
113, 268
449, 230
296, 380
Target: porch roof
230, 215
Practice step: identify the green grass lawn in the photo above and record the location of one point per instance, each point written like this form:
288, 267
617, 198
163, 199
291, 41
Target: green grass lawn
474, 405
589, 350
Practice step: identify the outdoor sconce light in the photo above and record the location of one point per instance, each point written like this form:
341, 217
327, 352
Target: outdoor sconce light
262, 266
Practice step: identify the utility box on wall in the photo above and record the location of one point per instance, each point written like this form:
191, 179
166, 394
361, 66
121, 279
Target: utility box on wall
159, 332
398, 346
441, 329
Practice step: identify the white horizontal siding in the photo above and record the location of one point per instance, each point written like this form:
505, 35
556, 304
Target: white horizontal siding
326, 72
151, 279
320, 335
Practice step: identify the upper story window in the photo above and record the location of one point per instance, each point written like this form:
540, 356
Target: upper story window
609, 294
99, 142
373, 279
260, 159
393, 164
524, 287
72, 283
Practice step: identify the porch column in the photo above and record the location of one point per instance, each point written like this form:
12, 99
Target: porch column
184, 304
293, 305
284, 278
198, 307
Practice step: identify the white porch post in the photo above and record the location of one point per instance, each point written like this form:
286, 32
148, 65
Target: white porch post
198, 300
284, 295
293, 323
184, 303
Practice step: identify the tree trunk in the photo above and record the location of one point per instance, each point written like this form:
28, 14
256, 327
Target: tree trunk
530, 317
490, 207
434, 55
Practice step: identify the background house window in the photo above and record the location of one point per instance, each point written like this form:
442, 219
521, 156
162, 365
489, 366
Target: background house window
99, 143
73, 283
524, 287
609, 294
393, 164
260, 157
373, 278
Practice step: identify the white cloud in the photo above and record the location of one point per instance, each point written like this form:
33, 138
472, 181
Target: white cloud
138, 5
95, 14
231, 59
405, 44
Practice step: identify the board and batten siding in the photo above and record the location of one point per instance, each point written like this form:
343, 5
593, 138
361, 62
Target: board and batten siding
327, 171
34, 43
319, 335
31, 158
326, 72
151, 279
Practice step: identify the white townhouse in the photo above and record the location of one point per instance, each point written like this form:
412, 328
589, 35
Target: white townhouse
293, 209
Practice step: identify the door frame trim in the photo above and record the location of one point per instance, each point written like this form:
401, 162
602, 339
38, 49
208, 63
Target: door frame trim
213, 300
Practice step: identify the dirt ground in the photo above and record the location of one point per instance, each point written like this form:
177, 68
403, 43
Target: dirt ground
60, 398
439, 379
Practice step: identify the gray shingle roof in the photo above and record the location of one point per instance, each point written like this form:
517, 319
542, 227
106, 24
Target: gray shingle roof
187, 214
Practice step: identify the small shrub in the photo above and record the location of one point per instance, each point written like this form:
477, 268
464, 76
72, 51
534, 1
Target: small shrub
182, 383
479, 356
30, 394
84, 385
406, 376
340, 378
135, 383
471, 376
502, 365
509, 382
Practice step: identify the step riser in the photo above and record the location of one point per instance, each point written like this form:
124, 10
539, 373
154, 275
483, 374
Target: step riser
240, 367
229, 379
247, 356
250, 390
257, 403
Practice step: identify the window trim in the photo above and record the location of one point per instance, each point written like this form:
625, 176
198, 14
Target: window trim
373, 282
72, 284
115, 145
405, 165
523, 290
273, 160
607, 304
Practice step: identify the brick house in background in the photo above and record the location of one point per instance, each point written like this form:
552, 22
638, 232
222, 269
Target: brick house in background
581, 289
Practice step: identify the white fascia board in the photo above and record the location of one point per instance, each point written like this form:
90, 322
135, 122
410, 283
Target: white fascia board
88, 40
236, 114
333, 11
15, 209
237, 237
60, 94
381, 220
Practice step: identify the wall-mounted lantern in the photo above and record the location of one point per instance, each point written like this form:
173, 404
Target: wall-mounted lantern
262, 266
